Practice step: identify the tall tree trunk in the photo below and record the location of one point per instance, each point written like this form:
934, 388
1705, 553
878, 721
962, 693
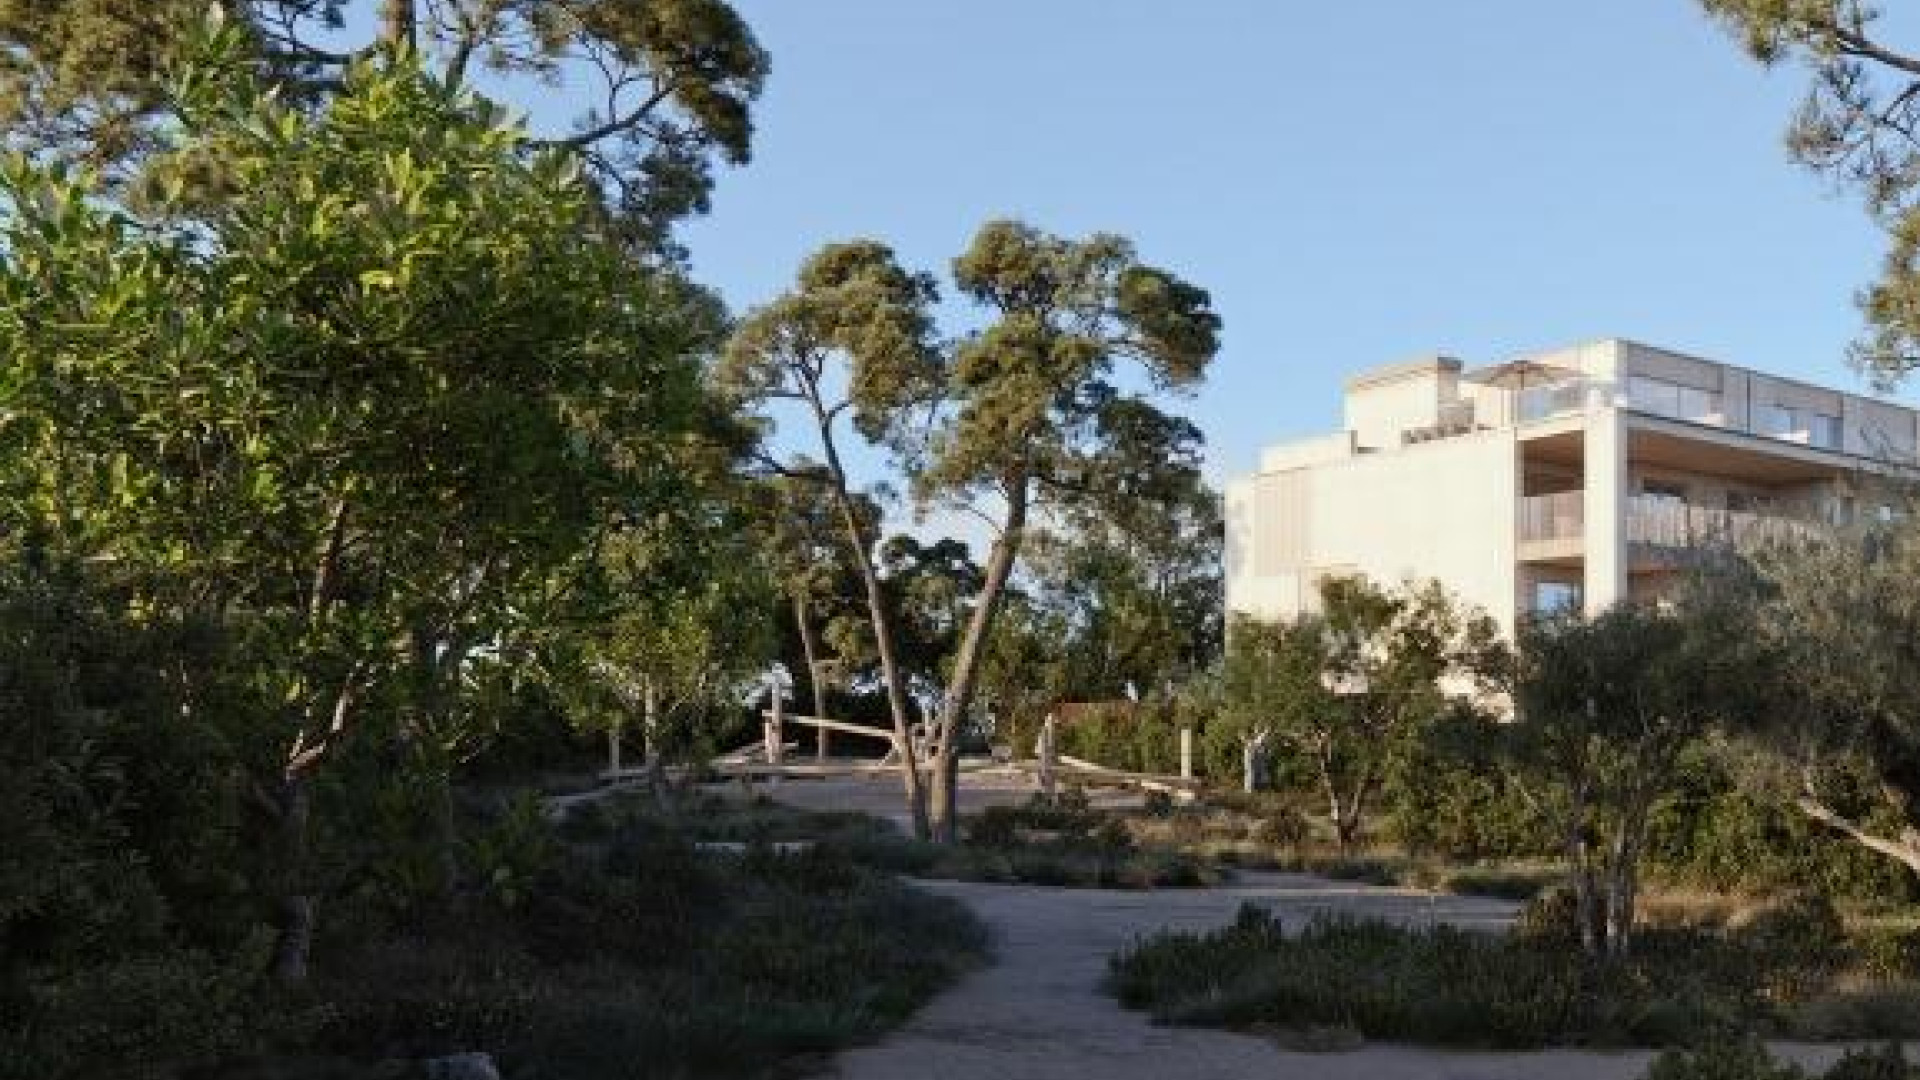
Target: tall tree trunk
1580, 874
966, 664
877, 613
808, 646
294, 944
1250, 750
654, 759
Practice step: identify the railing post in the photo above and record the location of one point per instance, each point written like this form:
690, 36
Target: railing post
775, 731
1044, 750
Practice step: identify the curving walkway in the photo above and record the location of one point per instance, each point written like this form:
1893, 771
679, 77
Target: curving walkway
1038, 1013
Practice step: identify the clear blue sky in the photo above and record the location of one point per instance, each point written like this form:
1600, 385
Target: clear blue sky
1354, 183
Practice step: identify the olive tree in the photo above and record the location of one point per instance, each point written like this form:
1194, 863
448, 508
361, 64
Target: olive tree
1607, 705
1273, 680
1844, 616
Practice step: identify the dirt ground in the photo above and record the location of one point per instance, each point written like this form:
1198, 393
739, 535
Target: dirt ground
1037, 1011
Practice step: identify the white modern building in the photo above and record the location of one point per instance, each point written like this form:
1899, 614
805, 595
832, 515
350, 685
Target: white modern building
1581, 476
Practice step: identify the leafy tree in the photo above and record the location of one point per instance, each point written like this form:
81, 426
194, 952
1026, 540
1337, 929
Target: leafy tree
932, 586
854, 336
1274, 680
1136, 571
1032, 417
1022, 417
1845, 616
821, 585
1026, 670
357, 410
674, 80
1608, 706
1352, 687
677, 625
1858, 125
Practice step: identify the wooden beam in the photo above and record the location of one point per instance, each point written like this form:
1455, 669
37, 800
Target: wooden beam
833, 725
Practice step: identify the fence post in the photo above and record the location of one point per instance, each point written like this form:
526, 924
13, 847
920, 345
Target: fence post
776, 730
1045, 750
1186, 753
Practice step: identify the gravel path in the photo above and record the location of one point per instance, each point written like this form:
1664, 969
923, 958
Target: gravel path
1038, 1013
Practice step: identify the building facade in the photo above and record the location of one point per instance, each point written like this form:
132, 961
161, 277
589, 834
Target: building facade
1579, 477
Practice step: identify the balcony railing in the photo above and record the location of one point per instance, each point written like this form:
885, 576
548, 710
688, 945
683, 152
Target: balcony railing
1547, 523
1559, 516
1669, 523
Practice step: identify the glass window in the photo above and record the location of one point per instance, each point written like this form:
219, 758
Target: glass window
1552, 597
1653, 395
1776, 420
1662, 398
1824, 431
1701, 406
1551, 399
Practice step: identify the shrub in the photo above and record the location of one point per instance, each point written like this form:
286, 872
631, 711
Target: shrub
1800, 935
1888, 1062
1440, 984
1733, 1059
1719, 834
1747, 1059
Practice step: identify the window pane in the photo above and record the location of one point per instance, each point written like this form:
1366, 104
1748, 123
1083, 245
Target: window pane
1653, 395
1776, 420
1699, 405
1824, 430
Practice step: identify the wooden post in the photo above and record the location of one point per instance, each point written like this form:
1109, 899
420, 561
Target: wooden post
776, 729
613, 747
1186, 753
1046, 750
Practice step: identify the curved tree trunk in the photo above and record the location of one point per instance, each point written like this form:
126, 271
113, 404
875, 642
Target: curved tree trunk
877, 612
801, 619
966, 665
294, 944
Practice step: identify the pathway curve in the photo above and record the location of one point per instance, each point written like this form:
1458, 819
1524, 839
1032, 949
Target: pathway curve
1038, 1012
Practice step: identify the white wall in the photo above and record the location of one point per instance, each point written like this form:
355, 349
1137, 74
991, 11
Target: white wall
1443, 509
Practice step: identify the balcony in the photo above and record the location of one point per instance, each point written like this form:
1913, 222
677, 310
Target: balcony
1666, 524
1552, 527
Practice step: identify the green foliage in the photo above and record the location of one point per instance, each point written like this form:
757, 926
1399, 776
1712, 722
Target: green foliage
1722, 1059
1438, 985
1722, 829
126, 925
1141, 737
1747, 1059
1453, 792
1841, 737
1447, 986
1856, 126
87, 80
1612, 706
629, 945
1351, 689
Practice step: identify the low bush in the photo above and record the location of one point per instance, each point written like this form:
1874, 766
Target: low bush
1746, 1059
1448, 986
640, 948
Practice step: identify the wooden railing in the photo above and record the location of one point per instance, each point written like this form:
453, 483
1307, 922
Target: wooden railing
1559, 516
1669, 523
